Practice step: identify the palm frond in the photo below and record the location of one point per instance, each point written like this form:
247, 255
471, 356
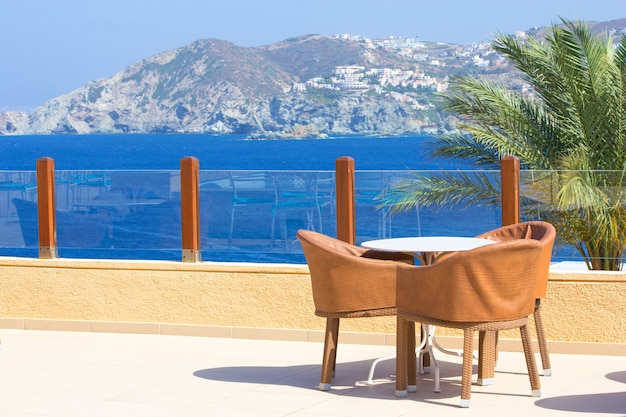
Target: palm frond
446, 189
537, 66
500, 121
466, 148
577, 192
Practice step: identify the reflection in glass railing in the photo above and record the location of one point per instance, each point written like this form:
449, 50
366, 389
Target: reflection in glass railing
16, 186
376, 220
253, 216
245, 216
107, 214
588, 208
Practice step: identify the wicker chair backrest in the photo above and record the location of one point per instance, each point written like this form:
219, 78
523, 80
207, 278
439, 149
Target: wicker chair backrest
544, 232
491, 283
343, 276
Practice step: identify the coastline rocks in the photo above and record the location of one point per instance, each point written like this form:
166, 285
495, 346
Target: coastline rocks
13, 123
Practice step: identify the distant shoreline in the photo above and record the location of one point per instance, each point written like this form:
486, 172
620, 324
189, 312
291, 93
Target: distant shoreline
218, 152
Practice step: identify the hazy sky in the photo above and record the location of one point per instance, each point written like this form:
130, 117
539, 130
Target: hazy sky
51, 47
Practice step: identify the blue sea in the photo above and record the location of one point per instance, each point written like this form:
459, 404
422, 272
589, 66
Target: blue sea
134, 238
223, 152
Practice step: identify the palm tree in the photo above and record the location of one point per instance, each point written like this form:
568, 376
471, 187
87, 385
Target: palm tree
572, 127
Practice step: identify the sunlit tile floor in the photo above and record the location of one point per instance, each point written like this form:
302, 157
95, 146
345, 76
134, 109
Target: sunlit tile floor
117, 375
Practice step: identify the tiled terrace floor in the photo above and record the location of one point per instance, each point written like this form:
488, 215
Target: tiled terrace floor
122, 375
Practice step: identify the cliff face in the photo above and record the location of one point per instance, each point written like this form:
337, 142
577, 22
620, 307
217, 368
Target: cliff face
212, 86
13, 122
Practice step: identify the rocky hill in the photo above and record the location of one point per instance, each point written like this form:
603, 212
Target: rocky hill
213, 86
309, 86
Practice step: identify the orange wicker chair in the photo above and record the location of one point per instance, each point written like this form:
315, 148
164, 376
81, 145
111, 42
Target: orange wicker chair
347, 282
545, 233
485, 289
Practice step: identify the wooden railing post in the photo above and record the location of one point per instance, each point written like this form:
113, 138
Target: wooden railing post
190, 208
509, 186
46, 209
346, 226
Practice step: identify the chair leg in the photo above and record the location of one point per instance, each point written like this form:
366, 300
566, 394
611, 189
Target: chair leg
466, 374
336, 339
411, 358
283, 232
425, 355
495, 343
533, 375
541, 338
330, 353
486, 357
319, 217
273, 228
402, 342
232, 226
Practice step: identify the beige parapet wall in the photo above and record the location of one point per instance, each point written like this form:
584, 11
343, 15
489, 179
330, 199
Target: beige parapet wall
585, 312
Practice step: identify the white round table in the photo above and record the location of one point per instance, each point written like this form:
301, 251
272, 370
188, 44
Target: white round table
427, 248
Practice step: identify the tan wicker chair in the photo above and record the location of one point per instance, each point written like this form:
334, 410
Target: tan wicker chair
347, 282
545, 233
485, 289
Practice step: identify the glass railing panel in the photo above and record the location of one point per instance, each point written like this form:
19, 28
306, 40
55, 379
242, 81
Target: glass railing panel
579, 204
253, 216
249, 216
215, 215
17, 187
375, 220
118, 214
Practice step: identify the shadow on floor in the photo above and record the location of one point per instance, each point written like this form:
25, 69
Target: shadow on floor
607, 403
610, 402
350, 378
617, 376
